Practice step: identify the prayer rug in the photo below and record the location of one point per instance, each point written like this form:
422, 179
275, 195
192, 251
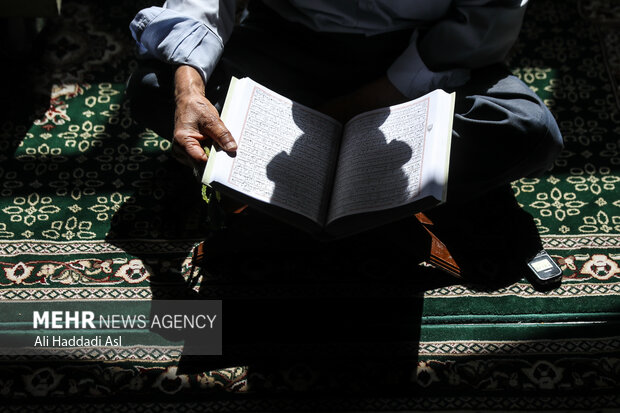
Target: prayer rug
93, 208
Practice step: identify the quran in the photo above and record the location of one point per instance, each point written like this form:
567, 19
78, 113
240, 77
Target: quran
330, 179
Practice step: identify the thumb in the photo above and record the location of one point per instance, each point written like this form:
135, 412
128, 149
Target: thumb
210, 125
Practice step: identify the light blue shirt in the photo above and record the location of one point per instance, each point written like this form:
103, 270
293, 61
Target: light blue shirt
459, 35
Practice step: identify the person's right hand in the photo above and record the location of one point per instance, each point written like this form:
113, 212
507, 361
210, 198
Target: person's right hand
196, 121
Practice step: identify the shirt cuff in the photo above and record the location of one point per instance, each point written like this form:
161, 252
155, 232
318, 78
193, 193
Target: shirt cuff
413, 78
167, 35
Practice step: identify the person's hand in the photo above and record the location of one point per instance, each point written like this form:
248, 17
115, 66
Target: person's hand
374, 95
196, 121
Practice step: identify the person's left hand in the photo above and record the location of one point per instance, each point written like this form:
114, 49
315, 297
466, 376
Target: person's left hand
374, 95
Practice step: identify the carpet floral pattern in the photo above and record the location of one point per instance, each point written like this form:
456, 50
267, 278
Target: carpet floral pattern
90, 209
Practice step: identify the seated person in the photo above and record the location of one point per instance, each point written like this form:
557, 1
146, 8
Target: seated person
344, 58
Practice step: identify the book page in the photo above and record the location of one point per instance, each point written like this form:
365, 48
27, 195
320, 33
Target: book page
382, 157
286, 152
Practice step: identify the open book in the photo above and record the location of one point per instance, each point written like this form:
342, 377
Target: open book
331, 179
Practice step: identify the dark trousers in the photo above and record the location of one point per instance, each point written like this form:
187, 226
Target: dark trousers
502, 131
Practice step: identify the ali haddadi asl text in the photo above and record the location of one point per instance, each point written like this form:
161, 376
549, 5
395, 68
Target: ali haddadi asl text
78, 341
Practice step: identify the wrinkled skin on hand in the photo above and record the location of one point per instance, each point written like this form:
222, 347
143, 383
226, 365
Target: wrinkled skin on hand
196, 122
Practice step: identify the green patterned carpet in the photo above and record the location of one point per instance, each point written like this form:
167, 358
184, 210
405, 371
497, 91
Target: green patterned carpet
94, 208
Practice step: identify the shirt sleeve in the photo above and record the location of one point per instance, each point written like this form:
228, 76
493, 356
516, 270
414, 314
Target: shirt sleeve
475, 33
188, 32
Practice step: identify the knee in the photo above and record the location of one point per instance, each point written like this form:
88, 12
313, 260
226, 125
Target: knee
143, 85
150, 94
140, 84
544, 140
532, 131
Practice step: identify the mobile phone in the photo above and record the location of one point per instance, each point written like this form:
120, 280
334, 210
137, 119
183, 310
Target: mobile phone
544, 268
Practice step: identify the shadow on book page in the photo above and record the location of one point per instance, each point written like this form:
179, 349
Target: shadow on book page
366, 170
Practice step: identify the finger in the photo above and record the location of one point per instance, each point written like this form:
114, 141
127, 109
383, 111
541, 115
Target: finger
189, 158
212, 126
186, 147
193, 149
